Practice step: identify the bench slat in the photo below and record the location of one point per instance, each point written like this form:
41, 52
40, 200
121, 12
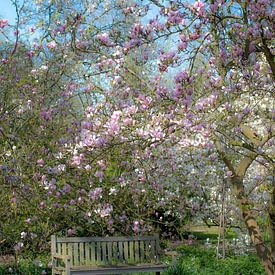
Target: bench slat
131, 253
87, 253
93, 253
120, 252
64, 249
126, 251
98, 253
104, 239
70, 251
81, 254
147, 251
136, 251
110, 252
59, 248
104, 252
157, 249
115, 252
153, 251
75, 252
141, 245
117, 270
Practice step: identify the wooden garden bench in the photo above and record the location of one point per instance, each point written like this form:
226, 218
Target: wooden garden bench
110, 255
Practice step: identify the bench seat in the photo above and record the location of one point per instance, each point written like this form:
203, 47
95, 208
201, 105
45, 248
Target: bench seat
117, 269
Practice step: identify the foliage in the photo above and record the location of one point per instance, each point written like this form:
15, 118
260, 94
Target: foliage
194, 260
26, 266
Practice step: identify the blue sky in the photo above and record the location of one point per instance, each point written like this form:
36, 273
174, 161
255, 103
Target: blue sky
7, 10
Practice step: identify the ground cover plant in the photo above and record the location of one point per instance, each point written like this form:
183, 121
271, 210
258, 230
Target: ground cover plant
194, 260
133, 117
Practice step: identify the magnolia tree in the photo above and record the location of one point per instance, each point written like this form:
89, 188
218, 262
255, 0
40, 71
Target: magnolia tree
44, 87
220, 97
169, 99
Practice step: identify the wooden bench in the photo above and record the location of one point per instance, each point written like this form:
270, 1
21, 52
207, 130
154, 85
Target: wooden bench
110, 255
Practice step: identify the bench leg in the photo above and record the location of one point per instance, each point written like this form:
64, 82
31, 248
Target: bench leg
158, 273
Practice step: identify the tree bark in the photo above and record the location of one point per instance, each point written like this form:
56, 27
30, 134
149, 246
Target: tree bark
249, 217
271, 212
252, 225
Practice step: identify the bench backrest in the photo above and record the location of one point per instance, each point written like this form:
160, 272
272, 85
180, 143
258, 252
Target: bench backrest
108, 250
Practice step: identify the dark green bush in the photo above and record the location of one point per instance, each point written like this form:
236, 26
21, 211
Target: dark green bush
25, 267
198, 261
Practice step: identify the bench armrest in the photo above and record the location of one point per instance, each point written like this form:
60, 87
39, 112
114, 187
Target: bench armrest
61, 257
65, 258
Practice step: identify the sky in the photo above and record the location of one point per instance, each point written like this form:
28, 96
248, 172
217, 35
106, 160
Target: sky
7, 11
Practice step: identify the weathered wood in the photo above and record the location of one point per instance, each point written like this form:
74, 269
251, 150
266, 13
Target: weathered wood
118, 270
141, 245
131, 253
136, 251
120, 252
64, 249
99, 256
75, 254
81, 254
53, 244
157, 252
104, 239
93, 253
153, 249
70, 252
104, 252
147, 251
126, 252
87, 253
58, 248
110, 252
115, 252
98, 253
68, 266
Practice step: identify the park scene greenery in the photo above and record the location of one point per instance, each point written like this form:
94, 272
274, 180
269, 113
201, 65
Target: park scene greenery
125, 118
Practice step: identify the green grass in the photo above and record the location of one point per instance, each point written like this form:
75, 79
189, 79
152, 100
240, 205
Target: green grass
198, 261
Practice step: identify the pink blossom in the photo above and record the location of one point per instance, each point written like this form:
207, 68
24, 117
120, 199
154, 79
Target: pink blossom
199, 7
30, 54
3, 23
99, 174
46, 115
31, 29
96, 193
40, 162
51, 45
182, 46
229, 174
42, 204
13, 200
136, 226
71, 232
104, 38
77, 159
18, 246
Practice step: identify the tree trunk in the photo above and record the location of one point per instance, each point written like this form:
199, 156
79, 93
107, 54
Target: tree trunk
252, 225
271, 212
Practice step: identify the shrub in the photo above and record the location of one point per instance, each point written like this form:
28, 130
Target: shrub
195, 260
